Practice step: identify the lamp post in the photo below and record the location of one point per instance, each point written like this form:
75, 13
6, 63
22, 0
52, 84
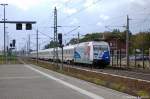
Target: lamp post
4, 5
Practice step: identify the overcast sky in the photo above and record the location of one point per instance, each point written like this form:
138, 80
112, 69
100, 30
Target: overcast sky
90, 15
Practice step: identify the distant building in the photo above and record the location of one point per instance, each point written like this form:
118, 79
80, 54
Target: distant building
114, 42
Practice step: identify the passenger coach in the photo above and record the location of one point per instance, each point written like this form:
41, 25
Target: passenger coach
94, 52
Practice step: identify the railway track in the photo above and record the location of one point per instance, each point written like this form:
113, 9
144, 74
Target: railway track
112, 71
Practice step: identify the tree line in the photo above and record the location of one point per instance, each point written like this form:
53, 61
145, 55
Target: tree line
138, 40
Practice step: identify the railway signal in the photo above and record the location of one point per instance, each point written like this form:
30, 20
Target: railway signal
18, 26
60, 38
28, 26
13, 43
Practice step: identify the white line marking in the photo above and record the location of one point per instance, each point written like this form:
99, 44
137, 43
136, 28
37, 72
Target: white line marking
31, 77
82, 91
132, 78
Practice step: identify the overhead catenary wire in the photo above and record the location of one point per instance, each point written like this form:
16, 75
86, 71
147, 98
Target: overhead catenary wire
82, 9
44, 34
71, 31
141, 23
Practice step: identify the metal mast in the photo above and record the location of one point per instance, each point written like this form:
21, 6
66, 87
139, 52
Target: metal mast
55, 36
127, 42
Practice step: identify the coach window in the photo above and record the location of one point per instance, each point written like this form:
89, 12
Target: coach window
64, 51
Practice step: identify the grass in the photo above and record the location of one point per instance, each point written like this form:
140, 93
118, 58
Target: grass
11, 59
119, 84
119, 87
143, 94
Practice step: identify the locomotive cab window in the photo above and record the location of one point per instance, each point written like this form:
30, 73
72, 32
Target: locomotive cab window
100, 47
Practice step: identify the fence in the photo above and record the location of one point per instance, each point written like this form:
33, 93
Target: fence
8, 59
137, 59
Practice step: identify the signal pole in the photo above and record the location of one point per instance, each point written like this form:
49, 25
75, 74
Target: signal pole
37, 48
29, 44
4, 5
127, 42
78, 37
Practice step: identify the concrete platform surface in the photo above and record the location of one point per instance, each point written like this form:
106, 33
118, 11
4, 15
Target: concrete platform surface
24, 81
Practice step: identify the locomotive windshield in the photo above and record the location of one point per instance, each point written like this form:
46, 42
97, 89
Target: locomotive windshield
100, 48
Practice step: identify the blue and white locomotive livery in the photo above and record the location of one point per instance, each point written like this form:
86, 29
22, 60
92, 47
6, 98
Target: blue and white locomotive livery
93, 52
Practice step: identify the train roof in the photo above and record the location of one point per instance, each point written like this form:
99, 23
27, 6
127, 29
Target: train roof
93, 43
86, 43
69, 47
80, 44
43, 50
